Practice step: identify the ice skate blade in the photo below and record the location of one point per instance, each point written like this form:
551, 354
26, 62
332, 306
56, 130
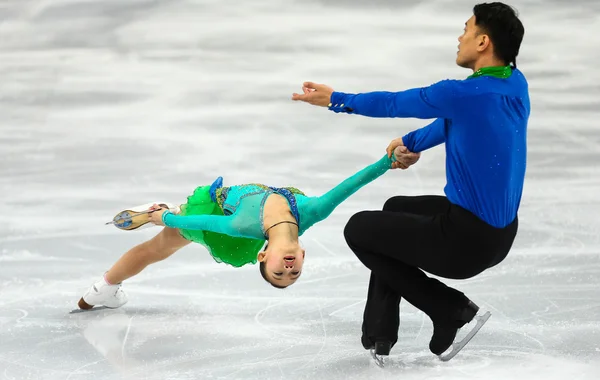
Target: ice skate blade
378, 359
84, 306
456, 347
96, 308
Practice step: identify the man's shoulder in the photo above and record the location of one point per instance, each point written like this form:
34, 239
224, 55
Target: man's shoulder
459, 88
481, 86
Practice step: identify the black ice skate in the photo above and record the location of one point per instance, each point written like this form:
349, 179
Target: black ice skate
443, 336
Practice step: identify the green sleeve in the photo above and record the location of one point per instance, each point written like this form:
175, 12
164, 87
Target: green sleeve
319, 208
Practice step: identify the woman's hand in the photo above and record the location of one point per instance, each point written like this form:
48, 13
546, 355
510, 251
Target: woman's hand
155, 214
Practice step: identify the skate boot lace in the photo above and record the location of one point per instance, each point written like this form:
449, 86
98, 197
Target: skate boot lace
118, 291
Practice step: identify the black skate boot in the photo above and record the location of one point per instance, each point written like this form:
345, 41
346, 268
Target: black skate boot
379, 349
383, 348
443, 336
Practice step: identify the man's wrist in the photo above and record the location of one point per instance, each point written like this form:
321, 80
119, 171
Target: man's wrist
338, 102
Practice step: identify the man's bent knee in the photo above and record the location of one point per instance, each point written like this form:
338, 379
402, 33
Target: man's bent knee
394, 203
355, 228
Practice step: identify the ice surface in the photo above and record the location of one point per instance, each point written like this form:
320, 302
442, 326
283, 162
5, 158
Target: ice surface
108, 104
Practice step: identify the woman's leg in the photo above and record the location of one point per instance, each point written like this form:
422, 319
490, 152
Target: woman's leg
163, 245
108, 292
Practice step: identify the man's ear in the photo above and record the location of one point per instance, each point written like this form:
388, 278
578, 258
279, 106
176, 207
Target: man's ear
484, 42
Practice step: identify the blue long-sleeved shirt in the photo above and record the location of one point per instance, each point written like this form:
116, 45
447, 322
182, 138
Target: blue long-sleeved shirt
483, 123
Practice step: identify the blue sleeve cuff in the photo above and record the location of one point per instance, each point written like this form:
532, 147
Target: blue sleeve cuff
339, 103
409, 141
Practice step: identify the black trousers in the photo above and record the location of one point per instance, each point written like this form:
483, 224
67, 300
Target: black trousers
416, 234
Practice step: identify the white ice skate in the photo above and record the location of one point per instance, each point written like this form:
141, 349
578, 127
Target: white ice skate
103, 294
137, 217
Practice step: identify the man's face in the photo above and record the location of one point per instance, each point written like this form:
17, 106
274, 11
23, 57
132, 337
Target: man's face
471, 44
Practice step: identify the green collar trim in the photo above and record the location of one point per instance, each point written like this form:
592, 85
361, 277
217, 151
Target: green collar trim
502, 72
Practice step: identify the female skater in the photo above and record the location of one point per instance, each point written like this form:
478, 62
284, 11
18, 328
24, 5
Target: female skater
233, 223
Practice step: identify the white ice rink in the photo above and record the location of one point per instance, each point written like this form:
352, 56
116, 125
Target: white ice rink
106, 104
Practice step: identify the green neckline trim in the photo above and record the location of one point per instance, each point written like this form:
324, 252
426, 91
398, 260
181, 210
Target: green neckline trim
502, 72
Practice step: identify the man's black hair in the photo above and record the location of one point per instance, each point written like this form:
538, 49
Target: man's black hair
501, 23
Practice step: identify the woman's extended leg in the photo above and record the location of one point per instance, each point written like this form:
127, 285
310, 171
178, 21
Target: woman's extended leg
163, 245
108, 292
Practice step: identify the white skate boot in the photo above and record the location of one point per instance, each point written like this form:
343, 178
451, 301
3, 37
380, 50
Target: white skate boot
103, 294
137, 217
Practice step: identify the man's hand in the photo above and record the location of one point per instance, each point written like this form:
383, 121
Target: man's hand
395, 143
315, 94
404, 158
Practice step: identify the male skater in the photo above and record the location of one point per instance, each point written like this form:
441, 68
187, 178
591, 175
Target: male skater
483, 122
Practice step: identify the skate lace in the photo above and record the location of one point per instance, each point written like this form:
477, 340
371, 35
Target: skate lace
117, 290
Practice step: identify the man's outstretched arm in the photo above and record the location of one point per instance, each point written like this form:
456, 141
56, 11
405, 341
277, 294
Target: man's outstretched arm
435, 101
